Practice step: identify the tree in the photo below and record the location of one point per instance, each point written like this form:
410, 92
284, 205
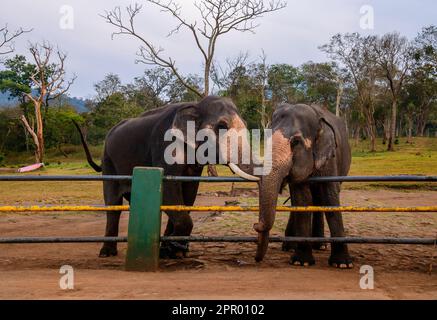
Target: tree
286, 83
107, 87
7, 38
218, 17
393, 55
354, 53
49, 80
422, 84
16, 79
320, 83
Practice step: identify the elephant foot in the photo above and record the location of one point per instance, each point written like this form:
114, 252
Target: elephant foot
302, 258
108, 251
341, 261
288, 246
173, 250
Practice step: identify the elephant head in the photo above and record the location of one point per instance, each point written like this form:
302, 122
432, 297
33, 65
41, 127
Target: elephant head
218, 115
302, 142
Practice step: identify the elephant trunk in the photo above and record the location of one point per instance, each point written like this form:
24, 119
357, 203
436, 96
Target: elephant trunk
269, 189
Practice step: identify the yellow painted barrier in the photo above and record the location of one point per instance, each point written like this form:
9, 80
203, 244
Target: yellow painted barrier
218, 208
61, 208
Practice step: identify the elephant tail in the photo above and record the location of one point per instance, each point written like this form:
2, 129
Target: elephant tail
89, 158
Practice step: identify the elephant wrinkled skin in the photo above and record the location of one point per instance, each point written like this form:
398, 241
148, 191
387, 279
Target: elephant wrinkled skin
308, 141
140, 142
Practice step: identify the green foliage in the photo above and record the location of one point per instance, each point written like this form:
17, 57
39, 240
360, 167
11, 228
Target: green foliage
16, 79
108, 113
59, 128
286, 83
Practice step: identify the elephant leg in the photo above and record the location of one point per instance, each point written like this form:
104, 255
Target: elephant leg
340, 257
318, 224
290, 229
179, 223
112, 198
303, 254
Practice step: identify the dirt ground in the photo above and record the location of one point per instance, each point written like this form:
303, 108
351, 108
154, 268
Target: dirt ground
225, 271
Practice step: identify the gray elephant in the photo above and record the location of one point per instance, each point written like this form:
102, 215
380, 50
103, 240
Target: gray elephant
307, 141
140, 142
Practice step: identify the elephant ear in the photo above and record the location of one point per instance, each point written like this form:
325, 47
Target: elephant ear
185, 117
326, 144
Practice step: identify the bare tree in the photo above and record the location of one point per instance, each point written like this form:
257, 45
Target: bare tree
226, 76
354, 53
393, 55
7, 38
49, 79
262, 77
107, 87
218, 17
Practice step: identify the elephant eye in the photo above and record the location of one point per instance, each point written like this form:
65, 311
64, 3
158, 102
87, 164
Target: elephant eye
295, 142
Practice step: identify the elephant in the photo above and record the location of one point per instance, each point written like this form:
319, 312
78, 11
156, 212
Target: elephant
307, 141
140, 142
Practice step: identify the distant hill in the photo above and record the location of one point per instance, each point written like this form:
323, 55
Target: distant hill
78, 103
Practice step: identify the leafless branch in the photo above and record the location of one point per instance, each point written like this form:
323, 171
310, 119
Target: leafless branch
218, 17
7, 39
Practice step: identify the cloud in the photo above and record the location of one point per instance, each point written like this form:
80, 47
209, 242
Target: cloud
289, 36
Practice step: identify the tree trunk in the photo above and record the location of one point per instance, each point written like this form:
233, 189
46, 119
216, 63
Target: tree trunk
206, 80
338, 100
386, 127
410, 130
38, 154
371, 129
39, 130
392, 126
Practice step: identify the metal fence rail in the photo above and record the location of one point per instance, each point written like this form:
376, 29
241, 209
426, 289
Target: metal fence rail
373, 240
397, 178
144, 230
217, 208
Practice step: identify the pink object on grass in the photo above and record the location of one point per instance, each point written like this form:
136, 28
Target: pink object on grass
32, 167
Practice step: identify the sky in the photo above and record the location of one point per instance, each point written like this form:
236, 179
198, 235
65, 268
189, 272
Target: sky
291, 35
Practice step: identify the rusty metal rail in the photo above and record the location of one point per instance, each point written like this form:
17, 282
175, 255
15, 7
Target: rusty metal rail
357, 240
217, 208
396, 178
144, 238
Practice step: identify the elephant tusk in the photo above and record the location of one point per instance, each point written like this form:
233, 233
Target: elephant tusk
241, 173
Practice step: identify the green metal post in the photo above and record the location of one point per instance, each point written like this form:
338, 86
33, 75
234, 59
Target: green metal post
144, 220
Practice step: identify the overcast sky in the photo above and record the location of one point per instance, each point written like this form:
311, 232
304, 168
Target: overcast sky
291, 35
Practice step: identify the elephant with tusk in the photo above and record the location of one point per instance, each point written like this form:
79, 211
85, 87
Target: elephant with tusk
141, 142
307, 141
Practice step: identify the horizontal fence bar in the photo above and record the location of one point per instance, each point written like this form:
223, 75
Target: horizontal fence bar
303, 209
398, 178
65, 178
218, 208
375, 240
61, 239
62, 208
204, 179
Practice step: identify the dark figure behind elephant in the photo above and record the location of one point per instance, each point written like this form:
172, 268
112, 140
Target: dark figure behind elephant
307, 141
140, 142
